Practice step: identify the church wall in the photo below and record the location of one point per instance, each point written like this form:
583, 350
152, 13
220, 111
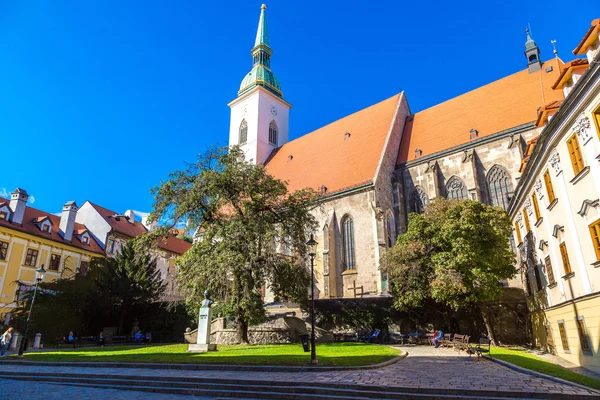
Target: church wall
360, 206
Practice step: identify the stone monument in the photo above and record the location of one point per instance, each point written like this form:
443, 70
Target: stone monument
203, 343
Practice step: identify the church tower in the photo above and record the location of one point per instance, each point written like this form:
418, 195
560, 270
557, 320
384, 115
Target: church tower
259, 114
532, 52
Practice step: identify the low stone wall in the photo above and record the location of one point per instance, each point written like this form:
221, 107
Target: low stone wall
277, 329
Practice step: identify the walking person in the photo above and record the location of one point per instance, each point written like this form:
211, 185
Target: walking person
5, 341
100, 339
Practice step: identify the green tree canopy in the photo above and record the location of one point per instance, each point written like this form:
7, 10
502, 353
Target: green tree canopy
455, 253
252, 233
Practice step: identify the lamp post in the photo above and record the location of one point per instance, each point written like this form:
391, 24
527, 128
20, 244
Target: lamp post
312, 252
39, 277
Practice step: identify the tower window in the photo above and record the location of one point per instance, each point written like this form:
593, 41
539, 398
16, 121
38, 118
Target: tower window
243, 132
348, 243
532, 58
499, 186
273, 133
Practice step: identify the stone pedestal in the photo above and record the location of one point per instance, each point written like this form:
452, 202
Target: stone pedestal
203, 342
37, 340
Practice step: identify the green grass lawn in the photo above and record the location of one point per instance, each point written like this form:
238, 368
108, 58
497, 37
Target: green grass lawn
524, 359
329, 354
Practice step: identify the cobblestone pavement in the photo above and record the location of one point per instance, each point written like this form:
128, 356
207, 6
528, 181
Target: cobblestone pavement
17, 390
425, 367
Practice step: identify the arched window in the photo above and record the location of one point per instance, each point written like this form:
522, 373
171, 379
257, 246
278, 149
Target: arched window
348, 244
418, 199
243, 132
499, 185
391, 231
273, 133
455, 189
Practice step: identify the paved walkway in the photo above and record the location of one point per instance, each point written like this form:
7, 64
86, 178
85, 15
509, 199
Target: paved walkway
565, 364
425, 367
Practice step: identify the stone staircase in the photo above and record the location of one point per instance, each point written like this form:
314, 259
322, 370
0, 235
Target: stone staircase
279, 390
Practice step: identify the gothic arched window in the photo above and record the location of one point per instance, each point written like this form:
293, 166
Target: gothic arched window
418, 199
391, 231
273, 133
499, 185
243, 132
455, 189
348, 243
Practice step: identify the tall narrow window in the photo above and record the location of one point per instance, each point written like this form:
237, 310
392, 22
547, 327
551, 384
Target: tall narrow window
518, 233
418, 199
348, 243
526, 219
563, 335
595, 232
3, 250
549, 270
596, 116
391, 235
575, 154
549, 188
273, 133
583, 336
84, 267
565, 258
31, 258
499, 186
455, 189
54, 262
243, 132
536, 207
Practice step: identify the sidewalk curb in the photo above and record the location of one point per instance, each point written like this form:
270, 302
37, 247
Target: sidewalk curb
205, 367
542, 375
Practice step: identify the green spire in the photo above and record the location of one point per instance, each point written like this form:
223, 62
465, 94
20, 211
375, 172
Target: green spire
262, 33
261, 74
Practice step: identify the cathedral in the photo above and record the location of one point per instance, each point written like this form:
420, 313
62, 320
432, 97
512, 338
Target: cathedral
376, 166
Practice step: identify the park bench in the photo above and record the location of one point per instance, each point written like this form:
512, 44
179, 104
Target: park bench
446, 340
484, 346
461, 342
86, 340
117, 339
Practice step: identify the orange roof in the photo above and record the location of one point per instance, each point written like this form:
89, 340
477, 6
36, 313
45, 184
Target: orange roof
330, 157
528, 150
30, 218
545, 110
122, 225
506, 103
567, 71
588, 38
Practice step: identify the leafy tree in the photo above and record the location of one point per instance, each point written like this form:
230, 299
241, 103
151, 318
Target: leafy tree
455, 254
246, 219
128, 283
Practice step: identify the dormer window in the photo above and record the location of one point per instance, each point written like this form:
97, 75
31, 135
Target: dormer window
85, 239
46, 228
418, 152
474, 133
3, 216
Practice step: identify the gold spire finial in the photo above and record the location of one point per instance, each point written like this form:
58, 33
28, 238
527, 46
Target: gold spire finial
264, 6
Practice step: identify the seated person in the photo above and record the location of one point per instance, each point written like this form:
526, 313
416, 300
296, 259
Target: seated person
436, 340
70, 338
139, 337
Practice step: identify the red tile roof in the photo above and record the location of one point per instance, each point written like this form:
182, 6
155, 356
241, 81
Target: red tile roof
506, 103
587, 38
567, 71
543, 111
331, 158
133, 229
29, 226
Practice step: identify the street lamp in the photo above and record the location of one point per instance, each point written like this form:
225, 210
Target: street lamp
39, 277
312, 252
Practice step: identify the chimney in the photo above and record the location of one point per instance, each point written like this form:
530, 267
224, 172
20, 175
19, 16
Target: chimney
130, 215
67, 220
149, 226
18, 202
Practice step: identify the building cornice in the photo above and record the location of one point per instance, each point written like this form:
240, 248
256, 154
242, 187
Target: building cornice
469, 145
250, 92
586, 88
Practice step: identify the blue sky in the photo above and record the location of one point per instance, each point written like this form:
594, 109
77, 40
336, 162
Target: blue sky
101, 100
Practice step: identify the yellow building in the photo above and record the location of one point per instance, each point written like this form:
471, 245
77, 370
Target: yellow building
556, 213
30, 238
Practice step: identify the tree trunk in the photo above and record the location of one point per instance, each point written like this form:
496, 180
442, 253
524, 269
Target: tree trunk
121, 321
242, 330
485, 314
